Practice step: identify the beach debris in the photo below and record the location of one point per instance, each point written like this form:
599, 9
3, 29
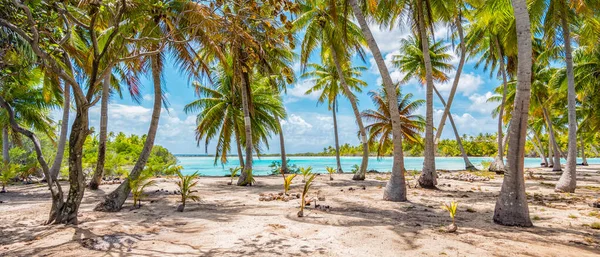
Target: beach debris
108, 242
465, 177
596, 204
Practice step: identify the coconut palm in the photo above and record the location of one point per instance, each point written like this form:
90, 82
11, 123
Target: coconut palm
511, 207
338, 38
395, 189
220, 114
562, 14
326, 81
380, 129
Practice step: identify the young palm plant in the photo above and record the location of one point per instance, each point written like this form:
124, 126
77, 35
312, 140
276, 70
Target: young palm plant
186, 184
307, 185
287, 182
138, 185
451, 208
9, 172
233, 172
331, 171
305, 172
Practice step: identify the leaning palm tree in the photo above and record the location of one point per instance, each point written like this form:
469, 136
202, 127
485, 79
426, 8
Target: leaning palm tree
380, 129
326, 81
511, 207
395, 189
338, 38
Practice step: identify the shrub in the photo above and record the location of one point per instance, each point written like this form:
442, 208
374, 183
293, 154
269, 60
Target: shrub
9, 172
276, 168
186, 183
355, 168
486, 165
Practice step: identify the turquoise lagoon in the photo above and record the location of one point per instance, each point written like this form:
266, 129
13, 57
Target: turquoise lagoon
205, 164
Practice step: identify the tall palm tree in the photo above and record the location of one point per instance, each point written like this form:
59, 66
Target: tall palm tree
326, 81
395, 189
561, 14
338, 37
220, 114
380, 129
511, 207
171, 31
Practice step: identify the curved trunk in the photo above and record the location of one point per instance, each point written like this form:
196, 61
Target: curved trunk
99, 171
511, 207
428, 178
55, 188
395, 189
468, 164
361, 173
5, 145
239, 147
245, 177
337, 142
568, 179
555, 150
62, 139
114, 201
498, 164
284, 168
461, 63
538, 144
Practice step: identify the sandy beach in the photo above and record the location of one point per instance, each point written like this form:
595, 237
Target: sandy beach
231, 221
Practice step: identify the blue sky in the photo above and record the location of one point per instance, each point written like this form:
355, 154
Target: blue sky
308, 127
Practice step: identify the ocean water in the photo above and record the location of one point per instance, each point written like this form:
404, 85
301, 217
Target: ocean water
205, 165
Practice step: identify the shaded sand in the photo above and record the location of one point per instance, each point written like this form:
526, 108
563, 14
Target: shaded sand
231, 221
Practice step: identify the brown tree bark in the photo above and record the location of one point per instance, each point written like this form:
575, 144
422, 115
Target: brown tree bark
99, 171
335, 133
114, 201
395, 189
511, 207
498, 164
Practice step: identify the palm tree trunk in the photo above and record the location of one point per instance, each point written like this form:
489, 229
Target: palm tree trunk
498, 164
428, 178
5, 145
114, 201
64, 127
99, 171
244, 178
239, 147
555, 150
550, 154
461, 63
284, 168
361, 173
395, 189
337, 142
568, 179
468, 164
511, 207
583, 158
538, 144
55, 188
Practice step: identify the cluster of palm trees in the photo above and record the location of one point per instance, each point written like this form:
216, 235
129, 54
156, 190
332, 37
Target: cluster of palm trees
240, 53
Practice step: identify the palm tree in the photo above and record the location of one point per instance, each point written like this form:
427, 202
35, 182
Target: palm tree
171, 31
511, 207
380, 129
220, 114
338, 38
327, 82
395, 189
561, 14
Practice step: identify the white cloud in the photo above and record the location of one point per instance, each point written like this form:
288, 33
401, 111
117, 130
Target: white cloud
388, 40
479, 103
147, 97
298, 91
468, 84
